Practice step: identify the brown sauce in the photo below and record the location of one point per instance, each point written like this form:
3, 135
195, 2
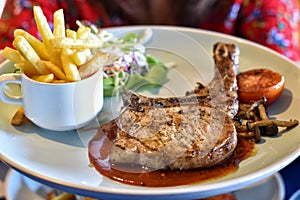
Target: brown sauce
99, 148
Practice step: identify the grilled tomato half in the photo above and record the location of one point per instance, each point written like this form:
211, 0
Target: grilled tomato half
258, 83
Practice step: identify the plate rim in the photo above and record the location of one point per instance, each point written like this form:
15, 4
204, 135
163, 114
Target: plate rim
276, 177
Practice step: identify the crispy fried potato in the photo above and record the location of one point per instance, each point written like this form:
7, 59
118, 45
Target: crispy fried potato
93, 65
37, 45
55, 58
18, 118
48, 78
43, 27
55, 70
69, 66
12, 55
71, 34
81, 57
60, 81
62, 42
59, 29
29, 54
27, 68
46, 33
83, 32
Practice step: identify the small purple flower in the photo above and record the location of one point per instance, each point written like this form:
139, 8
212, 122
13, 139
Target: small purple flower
127, 67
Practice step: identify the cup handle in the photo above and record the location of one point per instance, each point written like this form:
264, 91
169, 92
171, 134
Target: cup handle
4, 80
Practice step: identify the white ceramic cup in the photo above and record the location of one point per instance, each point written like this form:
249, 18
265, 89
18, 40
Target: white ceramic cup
57, 107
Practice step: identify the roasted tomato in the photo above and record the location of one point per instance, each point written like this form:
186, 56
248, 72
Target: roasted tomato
258, 83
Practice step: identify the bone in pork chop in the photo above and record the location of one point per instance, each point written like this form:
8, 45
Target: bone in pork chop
187, 132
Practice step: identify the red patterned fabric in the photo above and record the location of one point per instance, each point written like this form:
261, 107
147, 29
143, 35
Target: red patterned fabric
273, 23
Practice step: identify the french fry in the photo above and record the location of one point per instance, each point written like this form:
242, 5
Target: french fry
60, 81
37, 45
27, 68
48, 78
55, 58
93, 65
69, 66
75, 44
71, 34
81, 57
55, 70
12, 55
18, 118
29, 54
83, 32
46, 34
43, 27
59, 29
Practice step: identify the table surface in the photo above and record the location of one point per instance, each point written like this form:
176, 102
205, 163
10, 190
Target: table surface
290, 175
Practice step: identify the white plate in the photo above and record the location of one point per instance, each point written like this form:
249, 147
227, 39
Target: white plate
60, 159
19, 187
295, 196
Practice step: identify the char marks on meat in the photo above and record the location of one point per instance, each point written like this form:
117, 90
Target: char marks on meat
191, 131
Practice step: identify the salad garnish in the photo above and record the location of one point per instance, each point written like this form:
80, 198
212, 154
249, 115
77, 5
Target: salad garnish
129, 65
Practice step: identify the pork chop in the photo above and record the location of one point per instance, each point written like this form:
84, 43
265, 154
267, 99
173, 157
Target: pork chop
191, 131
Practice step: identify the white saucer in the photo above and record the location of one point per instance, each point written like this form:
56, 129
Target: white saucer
19, 187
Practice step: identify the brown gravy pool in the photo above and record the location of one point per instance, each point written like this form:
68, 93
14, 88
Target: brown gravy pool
99, 148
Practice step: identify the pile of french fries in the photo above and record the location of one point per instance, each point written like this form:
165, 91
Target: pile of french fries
63, 55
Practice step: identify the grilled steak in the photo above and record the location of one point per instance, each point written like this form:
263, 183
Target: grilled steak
191, 131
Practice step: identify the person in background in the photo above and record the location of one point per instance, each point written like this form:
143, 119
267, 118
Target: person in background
272, 23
